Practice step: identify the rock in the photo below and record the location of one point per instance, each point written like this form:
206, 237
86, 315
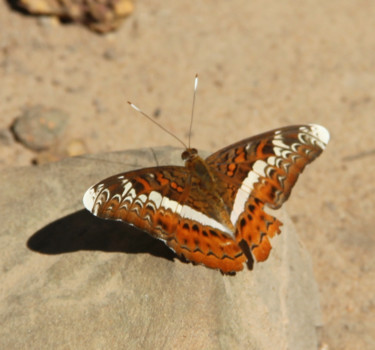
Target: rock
71, 280
39, 128
99, 15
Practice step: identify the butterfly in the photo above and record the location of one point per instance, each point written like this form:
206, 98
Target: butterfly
212, 211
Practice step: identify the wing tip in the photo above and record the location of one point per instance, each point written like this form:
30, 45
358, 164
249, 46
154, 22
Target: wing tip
89, 199
320, 132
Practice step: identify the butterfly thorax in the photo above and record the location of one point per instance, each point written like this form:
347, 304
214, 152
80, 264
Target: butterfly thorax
204, 180
199, 168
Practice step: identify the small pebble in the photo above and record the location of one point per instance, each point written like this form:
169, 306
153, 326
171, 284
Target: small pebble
39, 128
75, 148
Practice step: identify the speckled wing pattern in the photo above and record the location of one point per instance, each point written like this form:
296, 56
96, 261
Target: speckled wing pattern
207, 209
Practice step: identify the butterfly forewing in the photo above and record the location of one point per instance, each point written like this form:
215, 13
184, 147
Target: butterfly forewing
167, 203
268, 165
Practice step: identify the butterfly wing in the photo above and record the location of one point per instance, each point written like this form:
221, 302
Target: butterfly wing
262, 170
167, 203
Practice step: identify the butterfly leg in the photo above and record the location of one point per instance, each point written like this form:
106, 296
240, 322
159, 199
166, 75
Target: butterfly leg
255, 227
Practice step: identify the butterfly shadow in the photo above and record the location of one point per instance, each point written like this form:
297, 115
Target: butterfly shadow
83, 231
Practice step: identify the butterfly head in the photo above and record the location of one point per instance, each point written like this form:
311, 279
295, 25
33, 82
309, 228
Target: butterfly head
189, 154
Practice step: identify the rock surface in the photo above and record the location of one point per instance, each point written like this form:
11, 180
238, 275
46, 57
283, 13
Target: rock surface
70, 280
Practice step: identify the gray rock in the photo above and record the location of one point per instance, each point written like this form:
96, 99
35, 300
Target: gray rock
72, 281
39, 128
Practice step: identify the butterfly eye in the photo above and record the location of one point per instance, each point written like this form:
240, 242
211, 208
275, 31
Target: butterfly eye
185, 155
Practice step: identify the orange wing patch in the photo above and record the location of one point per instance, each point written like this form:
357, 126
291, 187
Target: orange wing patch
208, 246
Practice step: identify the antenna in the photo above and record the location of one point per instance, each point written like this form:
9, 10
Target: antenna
159, 125
192, 108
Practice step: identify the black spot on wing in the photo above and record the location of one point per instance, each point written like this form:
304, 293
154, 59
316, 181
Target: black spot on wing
138, 187
213, 233
268, 148
243, 223
271, 172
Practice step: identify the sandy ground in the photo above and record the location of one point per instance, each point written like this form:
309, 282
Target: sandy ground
262, 65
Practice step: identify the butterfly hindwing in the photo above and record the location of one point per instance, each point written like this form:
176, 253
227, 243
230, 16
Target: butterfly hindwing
268, 165
255, 227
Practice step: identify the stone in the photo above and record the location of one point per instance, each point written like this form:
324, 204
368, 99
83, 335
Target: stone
71, 280
40, 128
99, 15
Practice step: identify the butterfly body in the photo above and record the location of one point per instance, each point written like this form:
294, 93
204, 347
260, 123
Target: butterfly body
211, 211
